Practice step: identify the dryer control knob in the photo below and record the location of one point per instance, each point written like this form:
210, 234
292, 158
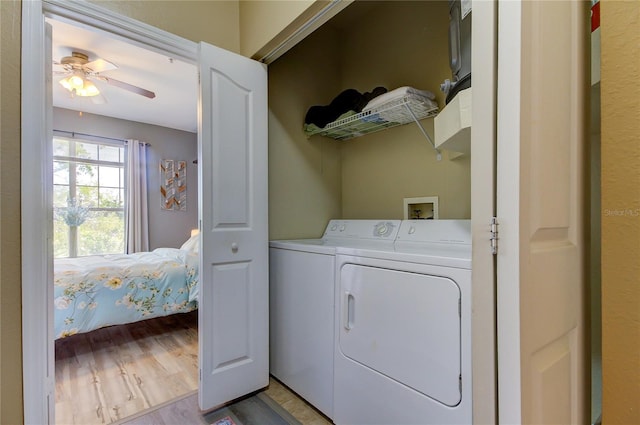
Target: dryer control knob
412, 230
342, 228
383, 229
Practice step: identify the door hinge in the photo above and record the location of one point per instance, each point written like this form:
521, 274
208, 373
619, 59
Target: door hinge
493, 239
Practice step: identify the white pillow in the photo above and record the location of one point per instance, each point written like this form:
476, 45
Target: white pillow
192, 244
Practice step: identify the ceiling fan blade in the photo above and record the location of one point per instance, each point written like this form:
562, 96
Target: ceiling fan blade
129, 87
100, 65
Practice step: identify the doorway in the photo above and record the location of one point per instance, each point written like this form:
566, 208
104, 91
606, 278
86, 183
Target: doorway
233, 102
134, 364
38, 344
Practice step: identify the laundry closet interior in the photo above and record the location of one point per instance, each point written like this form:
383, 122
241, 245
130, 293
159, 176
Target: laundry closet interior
312, 180
370, 184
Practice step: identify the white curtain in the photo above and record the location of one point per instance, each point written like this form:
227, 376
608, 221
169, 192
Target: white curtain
136, 214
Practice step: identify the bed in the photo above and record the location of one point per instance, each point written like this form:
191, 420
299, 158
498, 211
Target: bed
97, 291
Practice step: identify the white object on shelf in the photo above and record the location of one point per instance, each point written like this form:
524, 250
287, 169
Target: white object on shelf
452, 126
390, 114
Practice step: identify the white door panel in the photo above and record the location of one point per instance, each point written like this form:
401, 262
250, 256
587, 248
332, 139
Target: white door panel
230, 296
230, 161
540, 204
232, 166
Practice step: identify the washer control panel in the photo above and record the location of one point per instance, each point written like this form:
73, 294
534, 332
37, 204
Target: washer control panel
386, 230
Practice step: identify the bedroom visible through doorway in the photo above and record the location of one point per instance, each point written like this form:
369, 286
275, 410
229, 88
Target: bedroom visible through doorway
125, 325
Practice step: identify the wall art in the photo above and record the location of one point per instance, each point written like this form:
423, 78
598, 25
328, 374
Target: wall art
173, 185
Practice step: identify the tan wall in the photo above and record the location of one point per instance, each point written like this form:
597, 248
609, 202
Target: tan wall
311, 181
381, 169
304, 175
215, 22
620, 23
10, 295
262, 21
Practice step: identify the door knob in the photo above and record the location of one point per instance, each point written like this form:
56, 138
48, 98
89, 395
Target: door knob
234, 247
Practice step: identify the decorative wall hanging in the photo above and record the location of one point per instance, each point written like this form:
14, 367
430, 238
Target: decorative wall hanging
173, 186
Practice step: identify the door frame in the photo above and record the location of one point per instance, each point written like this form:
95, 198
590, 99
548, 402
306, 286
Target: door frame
508, 201
36, 210
38, 378
484, 39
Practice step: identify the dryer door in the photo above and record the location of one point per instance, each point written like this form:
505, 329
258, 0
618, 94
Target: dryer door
405, 326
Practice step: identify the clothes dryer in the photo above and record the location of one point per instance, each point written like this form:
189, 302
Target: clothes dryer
301, 297
403, 323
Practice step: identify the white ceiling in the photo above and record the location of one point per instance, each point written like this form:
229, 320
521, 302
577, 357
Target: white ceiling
174, 82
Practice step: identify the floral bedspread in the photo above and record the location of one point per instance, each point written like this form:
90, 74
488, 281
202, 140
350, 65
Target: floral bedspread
97, 291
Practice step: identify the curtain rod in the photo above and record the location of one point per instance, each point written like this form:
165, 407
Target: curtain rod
74, 133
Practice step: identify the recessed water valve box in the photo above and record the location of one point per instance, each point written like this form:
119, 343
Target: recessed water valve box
424, 208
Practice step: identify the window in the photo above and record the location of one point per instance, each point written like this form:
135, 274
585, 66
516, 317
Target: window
88, 197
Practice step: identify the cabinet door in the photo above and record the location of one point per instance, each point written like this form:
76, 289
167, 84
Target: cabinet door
234, 286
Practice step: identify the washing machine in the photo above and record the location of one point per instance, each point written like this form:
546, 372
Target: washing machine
403, 328
301, 305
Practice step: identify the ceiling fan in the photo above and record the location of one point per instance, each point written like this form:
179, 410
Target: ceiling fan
80, 72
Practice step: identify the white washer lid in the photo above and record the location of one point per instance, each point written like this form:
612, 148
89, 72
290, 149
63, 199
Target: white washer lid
318, 246
345, 233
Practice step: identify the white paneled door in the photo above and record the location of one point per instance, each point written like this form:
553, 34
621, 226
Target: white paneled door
542, 120
234, 286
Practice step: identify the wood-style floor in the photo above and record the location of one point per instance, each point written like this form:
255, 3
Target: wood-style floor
185, 410
143, 373
112, 373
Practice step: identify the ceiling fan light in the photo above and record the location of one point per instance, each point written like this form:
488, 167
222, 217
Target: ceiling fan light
76, 82
89, 89
66, 84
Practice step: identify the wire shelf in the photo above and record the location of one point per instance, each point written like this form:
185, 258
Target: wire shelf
396, 112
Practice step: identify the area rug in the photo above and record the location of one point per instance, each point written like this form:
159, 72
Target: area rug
258, 409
